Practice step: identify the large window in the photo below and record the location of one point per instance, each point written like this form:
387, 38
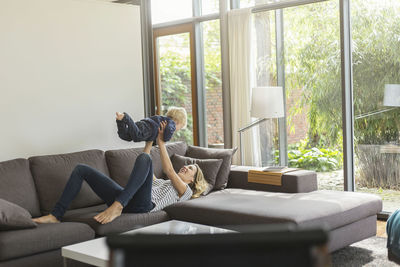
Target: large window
209, 7
307, 38
188, 67
213, 83
265, 74
313, 90
311, 54
164, 11
376, 85
250, 3
175, 78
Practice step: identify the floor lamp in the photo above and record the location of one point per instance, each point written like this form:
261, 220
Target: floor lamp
266, 103
391, 98
392, 95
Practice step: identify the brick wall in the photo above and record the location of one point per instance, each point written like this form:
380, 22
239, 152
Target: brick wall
299, 121
214, 113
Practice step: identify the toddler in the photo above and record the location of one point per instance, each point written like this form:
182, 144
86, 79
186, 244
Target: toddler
147, 128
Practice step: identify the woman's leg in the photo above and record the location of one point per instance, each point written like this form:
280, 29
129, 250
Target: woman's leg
141, 200
101, 184
114, 195
136, 196
142, 171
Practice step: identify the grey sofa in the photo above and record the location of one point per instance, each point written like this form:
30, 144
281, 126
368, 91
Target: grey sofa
36, 183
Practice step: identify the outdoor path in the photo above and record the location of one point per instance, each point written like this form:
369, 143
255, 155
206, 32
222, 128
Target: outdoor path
334, 181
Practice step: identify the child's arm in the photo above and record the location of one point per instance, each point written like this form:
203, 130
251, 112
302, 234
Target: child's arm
169, 131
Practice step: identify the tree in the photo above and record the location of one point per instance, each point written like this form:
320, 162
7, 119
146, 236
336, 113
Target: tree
175, 79
312, 51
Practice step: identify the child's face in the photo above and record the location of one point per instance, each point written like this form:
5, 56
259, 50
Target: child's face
178, 126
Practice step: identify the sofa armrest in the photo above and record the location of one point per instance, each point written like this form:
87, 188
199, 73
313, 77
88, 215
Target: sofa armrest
300, 181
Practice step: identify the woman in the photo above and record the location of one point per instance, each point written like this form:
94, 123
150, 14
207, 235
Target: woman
141, 194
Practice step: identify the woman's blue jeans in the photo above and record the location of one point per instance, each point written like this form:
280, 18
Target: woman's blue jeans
135, 197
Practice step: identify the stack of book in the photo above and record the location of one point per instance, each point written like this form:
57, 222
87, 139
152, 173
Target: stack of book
269, 175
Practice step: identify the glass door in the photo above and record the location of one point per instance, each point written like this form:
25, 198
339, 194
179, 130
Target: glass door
376, 85
313, 91
176, 76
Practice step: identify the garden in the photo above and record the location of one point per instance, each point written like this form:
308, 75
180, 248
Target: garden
376, 58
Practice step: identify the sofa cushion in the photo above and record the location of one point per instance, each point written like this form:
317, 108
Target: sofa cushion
214, 153
46, 259
125, 222
45, 237
78, 212
209, 167
51, 174
14, 217
120, 163
178, 148
17, 185
332, 209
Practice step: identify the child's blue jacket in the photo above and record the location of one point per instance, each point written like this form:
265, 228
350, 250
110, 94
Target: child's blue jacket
145, 129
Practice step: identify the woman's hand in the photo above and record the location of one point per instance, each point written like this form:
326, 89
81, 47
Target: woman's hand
160, 136
119, 115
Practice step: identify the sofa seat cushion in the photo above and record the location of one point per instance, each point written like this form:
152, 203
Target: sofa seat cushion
51, 174
17, 185
78, 212
331, 209
45, 237
125, 222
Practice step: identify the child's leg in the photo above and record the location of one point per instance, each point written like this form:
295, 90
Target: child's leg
127, 129
123, 131
137, 131
102, 185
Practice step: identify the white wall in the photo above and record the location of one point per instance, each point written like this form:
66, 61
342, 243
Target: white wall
66, 66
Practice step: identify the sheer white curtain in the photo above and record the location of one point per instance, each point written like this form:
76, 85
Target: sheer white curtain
239, 30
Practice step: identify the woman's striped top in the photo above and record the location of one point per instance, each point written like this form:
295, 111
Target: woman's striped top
164, 194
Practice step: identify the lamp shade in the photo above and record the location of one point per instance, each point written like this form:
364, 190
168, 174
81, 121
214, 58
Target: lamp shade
267, 102
392, 95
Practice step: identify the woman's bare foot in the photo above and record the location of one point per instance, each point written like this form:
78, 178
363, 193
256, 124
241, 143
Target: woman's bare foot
46, 219
110, 213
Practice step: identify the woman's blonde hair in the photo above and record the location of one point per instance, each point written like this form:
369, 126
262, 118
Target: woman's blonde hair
199, 184
179, 115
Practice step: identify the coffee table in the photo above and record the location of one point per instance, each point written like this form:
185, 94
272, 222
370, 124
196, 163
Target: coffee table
95, 252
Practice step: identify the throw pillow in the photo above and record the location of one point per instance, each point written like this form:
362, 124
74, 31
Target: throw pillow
14, 217
209, 167
214, 153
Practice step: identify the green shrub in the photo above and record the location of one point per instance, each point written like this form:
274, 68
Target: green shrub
317, 159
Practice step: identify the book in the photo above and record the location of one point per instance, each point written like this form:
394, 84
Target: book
275, 169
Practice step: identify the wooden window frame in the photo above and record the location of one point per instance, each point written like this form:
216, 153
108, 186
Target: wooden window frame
183, 28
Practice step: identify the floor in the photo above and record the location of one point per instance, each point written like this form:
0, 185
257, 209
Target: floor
381, 228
